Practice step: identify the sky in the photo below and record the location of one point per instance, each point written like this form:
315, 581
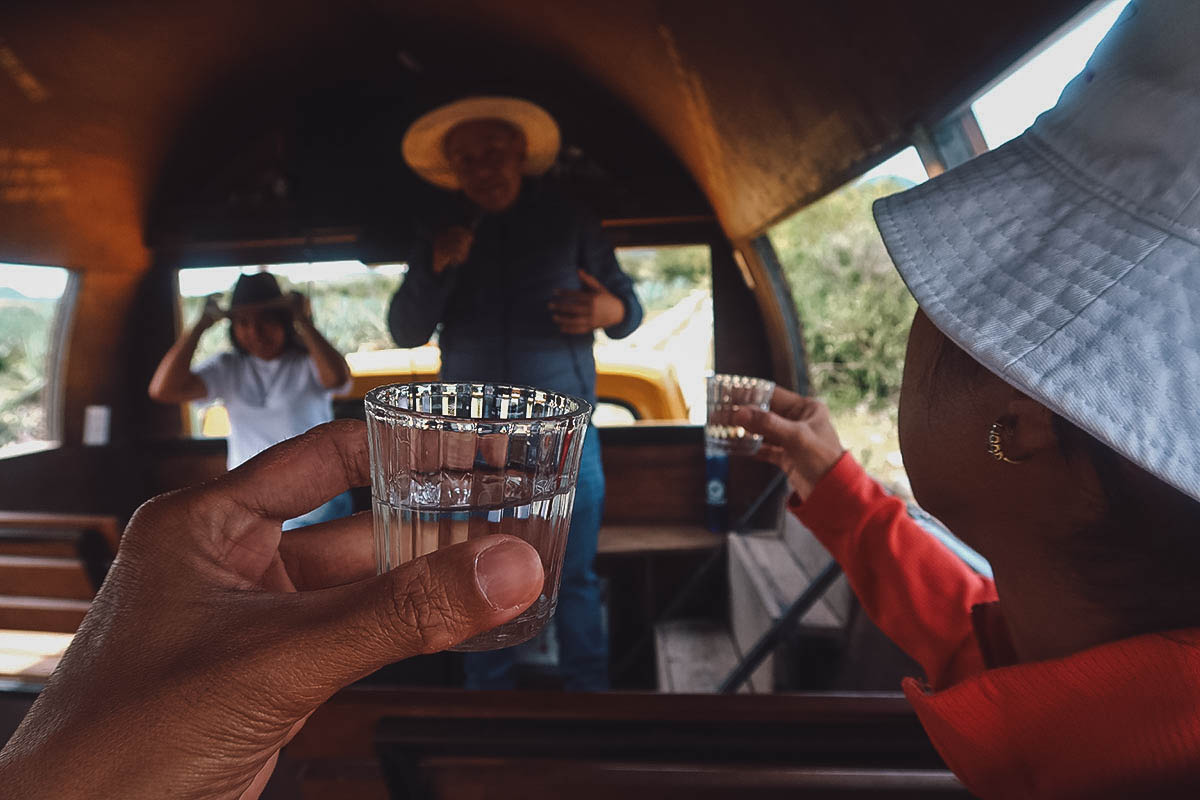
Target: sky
41, 282
1011, 106
1004, 111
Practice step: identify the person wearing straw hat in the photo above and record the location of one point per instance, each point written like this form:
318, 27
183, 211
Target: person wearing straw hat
519, 288
276, 381
1049, 417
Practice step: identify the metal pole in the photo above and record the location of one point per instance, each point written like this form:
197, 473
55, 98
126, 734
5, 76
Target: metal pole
770, 640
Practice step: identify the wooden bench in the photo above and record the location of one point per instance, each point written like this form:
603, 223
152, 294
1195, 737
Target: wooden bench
455, 744
51, 566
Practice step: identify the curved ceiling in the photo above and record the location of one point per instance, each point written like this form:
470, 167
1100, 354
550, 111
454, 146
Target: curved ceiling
108, 108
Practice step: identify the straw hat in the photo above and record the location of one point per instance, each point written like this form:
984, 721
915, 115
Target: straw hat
422, 144
1068, 261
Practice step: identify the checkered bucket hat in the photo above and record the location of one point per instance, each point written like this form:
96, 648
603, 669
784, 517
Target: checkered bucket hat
1068, 261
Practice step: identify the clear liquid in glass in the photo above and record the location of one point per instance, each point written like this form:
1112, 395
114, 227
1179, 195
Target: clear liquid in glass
404, 532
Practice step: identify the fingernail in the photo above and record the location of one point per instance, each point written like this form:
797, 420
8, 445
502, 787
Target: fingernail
505, 571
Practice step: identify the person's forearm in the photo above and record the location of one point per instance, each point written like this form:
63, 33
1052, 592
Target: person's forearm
419, 303
332, 369
911, 586
171, 378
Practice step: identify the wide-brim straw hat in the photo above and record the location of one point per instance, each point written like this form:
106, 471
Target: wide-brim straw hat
422, 143
1068, 260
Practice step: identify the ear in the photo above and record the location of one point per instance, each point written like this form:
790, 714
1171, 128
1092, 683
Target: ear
1029, 427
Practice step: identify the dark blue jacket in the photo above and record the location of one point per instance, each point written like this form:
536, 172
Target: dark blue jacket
496, 324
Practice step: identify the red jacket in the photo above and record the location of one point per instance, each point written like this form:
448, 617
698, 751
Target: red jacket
1118, 720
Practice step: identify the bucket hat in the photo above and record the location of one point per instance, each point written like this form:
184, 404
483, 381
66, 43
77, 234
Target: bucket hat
422, 143
1067, 261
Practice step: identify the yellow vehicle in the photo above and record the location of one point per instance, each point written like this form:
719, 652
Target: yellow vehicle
628, 389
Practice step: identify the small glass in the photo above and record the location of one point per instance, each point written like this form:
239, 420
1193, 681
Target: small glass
452, 462
727, 393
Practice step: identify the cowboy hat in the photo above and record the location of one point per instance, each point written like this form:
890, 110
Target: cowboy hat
258, 291
422, 144
1068, 261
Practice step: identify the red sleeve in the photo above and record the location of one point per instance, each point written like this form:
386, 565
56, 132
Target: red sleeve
915, 589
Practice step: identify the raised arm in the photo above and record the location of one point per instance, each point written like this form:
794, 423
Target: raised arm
420, 302
917, 591
174, 381
332, 369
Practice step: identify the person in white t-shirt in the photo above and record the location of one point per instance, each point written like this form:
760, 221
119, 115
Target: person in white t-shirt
276, 382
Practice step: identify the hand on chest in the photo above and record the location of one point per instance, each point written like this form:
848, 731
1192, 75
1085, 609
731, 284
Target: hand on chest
524, 270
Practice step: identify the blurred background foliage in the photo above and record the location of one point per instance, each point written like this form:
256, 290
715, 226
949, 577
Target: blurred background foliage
25, 326
856, 312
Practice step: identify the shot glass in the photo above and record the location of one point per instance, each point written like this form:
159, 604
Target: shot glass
727, 393
452, 462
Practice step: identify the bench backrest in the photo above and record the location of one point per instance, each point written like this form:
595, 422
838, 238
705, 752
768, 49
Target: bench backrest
427, 744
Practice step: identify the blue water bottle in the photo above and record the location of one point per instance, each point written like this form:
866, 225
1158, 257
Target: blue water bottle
716, 480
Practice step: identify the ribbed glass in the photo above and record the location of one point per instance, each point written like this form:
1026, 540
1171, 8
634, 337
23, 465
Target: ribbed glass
726, 394
452, 462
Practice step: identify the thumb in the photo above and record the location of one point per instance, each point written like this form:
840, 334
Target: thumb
420, 607
589, 280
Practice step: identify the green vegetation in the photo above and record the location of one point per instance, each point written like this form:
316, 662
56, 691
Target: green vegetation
665, 275
856, 313
25, 329
856, 310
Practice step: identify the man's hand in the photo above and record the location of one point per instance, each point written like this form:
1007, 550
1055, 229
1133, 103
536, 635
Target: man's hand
451, 247
798, 437
215, 635
585, 310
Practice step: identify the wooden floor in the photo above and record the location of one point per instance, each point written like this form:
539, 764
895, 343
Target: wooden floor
30, 656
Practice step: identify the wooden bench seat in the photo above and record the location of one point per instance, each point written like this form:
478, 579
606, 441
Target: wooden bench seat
427, 744
51, 566
52, 614
45, 576
107, 526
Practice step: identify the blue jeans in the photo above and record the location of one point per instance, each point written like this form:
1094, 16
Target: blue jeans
338, 507
578, 621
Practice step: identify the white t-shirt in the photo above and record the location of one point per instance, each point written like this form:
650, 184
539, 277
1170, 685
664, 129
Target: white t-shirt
267, 401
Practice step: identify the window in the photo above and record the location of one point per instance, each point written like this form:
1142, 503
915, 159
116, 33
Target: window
1011, 106
349, 302
34, 307
856, 311
656, 374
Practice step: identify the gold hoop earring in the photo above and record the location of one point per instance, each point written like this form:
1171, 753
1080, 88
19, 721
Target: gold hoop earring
996, 444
